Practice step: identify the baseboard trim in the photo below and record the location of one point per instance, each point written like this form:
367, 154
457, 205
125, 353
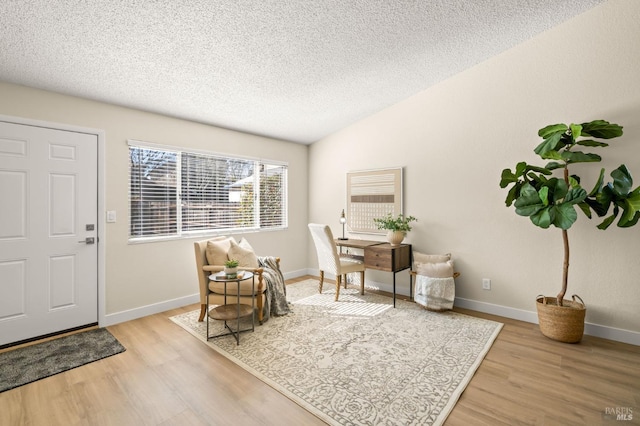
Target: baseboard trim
143, 311
493, 309
296, 274
590, 329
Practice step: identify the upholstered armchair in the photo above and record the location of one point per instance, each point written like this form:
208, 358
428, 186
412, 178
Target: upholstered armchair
210, 257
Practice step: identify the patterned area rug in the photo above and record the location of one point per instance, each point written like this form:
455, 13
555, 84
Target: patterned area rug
359, 361
30, 363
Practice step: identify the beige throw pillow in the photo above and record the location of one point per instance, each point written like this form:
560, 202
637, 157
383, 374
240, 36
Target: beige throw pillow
433, 265
245, 244
435, 270
243, 253
430, 258
217, 249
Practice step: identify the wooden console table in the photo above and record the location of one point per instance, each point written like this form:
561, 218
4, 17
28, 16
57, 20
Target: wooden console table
383, 257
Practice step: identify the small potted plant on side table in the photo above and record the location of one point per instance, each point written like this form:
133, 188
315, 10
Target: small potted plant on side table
231, 268
397, 227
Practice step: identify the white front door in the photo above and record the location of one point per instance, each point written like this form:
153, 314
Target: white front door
48, 216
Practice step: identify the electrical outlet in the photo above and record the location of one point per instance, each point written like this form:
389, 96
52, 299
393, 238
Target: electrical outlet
486, 284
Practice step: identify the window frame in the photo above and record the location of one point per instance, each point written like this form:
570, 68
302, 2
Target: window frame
183, 234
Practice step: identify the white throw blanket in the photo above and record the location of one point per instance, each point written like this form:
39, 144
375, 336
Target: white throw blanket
435, 294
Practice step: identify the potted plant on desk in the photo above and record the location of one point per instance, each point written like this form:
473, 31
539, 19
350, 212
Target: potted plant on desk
397, 227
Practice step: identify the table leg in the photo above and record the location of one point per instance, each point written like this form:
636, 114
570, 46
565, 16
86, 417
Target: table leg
410, 286
394, 289
253, 303
237, 336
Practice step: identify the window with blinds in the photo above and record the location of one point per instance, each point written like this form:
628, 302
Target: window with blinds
174, 193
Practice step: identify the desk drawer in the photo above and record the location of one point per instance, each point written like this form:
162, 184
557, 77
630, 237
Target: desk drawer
386, 258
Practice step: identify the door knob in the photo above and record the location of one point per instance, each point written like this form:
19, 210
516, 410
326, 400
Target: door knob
88, 240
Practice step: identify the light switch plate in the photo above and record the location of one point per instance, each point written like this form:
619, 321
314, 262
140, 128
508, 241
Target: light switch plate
111, 216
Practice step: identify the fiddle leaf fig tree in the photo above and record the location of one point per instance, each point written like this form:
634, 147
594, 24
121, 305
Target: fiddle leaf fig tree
549, 200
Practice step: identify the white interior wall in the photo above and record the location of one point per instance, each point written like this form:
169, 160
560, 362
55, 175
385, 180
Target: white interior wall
454, 139
140, 276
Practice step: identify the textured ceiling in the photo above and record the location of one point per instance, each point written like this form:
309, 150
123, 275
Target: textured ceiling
296, 70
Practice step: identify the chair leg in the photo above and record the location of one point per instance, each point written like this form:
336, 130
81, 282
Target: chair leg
203, 311
344, 277
338, 279
260, 308
362, 283
321, 281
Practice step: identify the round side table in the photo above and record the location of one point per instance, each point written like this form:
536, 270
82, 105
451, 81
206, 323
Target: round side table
232, 311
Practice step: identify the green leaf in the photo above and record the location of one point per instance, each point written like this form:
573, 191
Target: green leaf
575, 196
631, 209
600, 204
542, 218
601, 129
565, 216
598, 186
507, 177
628, 214
521, 167
622, 180
545, 132
608, 221
542, 170
513, 194
543, 194
554, 165
528, 202
576, 130
585, 209
551, 155
552, 143
575, 177
635, 194
574, 181
580, 157
559, 188
631, 222
591, 142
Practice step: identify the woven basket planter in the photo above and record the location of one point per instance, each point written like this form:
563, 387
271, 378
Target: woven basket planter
562, 323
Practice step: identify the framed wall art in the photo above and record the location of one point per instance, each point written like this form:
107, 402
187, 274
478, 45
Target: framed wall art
372, 194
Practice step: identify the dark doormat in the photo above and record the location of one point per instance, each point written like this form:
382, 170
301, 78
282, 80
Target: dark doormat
28, 364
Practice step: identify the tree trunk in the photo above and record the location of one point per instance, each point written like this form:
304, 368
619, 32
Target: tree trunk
565, 240
565, 267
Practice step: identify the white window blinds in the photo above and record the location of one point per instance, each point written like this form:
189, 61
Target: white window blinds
175, 192
153, 194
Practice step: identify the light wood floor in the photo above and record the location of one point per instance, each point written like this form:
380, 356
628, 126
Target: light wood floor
167, 377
